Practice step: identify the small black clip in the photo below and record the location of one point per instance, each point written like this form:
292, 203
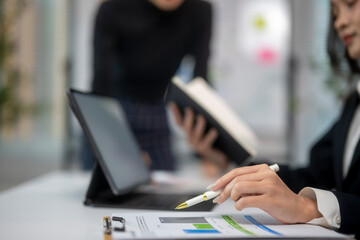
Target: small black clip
122, 221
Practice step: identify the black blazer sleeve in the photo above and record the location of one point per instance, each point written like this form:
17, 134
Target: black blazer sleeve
349, 212
319, 173
325, 169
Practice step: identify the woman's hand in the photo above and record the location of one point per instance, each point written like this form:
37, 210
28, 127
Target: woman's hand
215, 160
259, 186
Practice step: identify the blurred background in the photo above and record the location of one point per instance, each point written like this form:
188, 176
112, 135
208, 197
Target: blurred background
268, 61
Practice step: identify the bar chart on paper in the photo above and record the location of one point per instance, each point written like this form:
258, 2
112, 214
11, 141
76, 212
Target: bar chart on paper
214, 225
192, 225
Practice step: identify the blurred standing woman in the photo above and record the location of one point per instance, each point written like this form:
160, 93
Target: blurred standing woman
138, 48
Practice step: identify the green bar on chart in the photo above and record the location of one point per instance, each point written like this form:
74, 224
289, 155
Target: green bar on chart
203, 226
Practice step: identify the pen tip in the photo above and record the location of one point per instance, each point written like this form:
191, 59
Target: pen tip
181, 206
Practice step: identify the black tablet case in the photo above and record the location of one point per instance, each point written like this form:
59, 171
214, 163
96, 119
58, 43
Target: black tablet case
103, 193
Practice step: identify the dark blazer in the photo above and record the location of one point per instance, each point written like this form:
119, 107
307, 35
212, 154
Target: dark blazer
325, 169
138, 48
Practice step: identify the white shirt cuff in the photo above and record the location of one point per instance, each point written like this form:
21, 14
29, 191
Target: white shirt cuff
328, 206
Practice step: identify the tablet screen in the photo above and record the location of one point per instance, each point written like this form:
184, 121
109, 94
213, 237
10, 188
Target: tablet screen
107, 130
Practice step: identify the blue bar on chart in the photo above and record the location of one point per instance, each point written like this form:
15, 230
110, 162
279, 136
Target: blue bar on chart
200, 231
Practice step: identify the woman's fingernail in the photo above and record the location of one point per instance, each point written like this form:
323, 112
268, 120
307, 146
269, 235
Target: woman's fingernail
216, 199
210, 186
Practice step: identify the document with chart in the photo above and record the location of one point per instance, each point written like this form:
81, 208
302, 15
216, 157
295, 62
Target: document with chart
191, 225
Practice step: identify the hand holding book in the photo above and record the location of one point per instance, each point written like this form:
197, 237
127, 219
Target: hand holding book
217, 131
214, 160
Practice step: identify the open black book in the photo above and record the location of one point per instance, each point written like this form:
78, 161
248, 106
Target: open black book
235, 138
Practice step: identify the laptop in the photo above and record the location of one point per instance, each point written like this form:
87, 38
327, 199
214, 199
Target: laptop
120, 169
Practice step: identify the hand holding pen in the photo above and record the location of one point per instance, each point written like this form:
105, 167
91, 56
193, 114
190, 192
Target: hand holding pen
228, 180
259, 186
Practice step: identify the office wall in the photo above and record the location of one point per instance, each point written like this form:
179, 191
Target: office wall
33, 144
81, 35
316, 104
249, 65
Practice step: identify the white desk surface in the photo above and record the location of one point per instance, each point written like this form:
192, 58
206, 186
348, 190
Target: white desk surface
51, 207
